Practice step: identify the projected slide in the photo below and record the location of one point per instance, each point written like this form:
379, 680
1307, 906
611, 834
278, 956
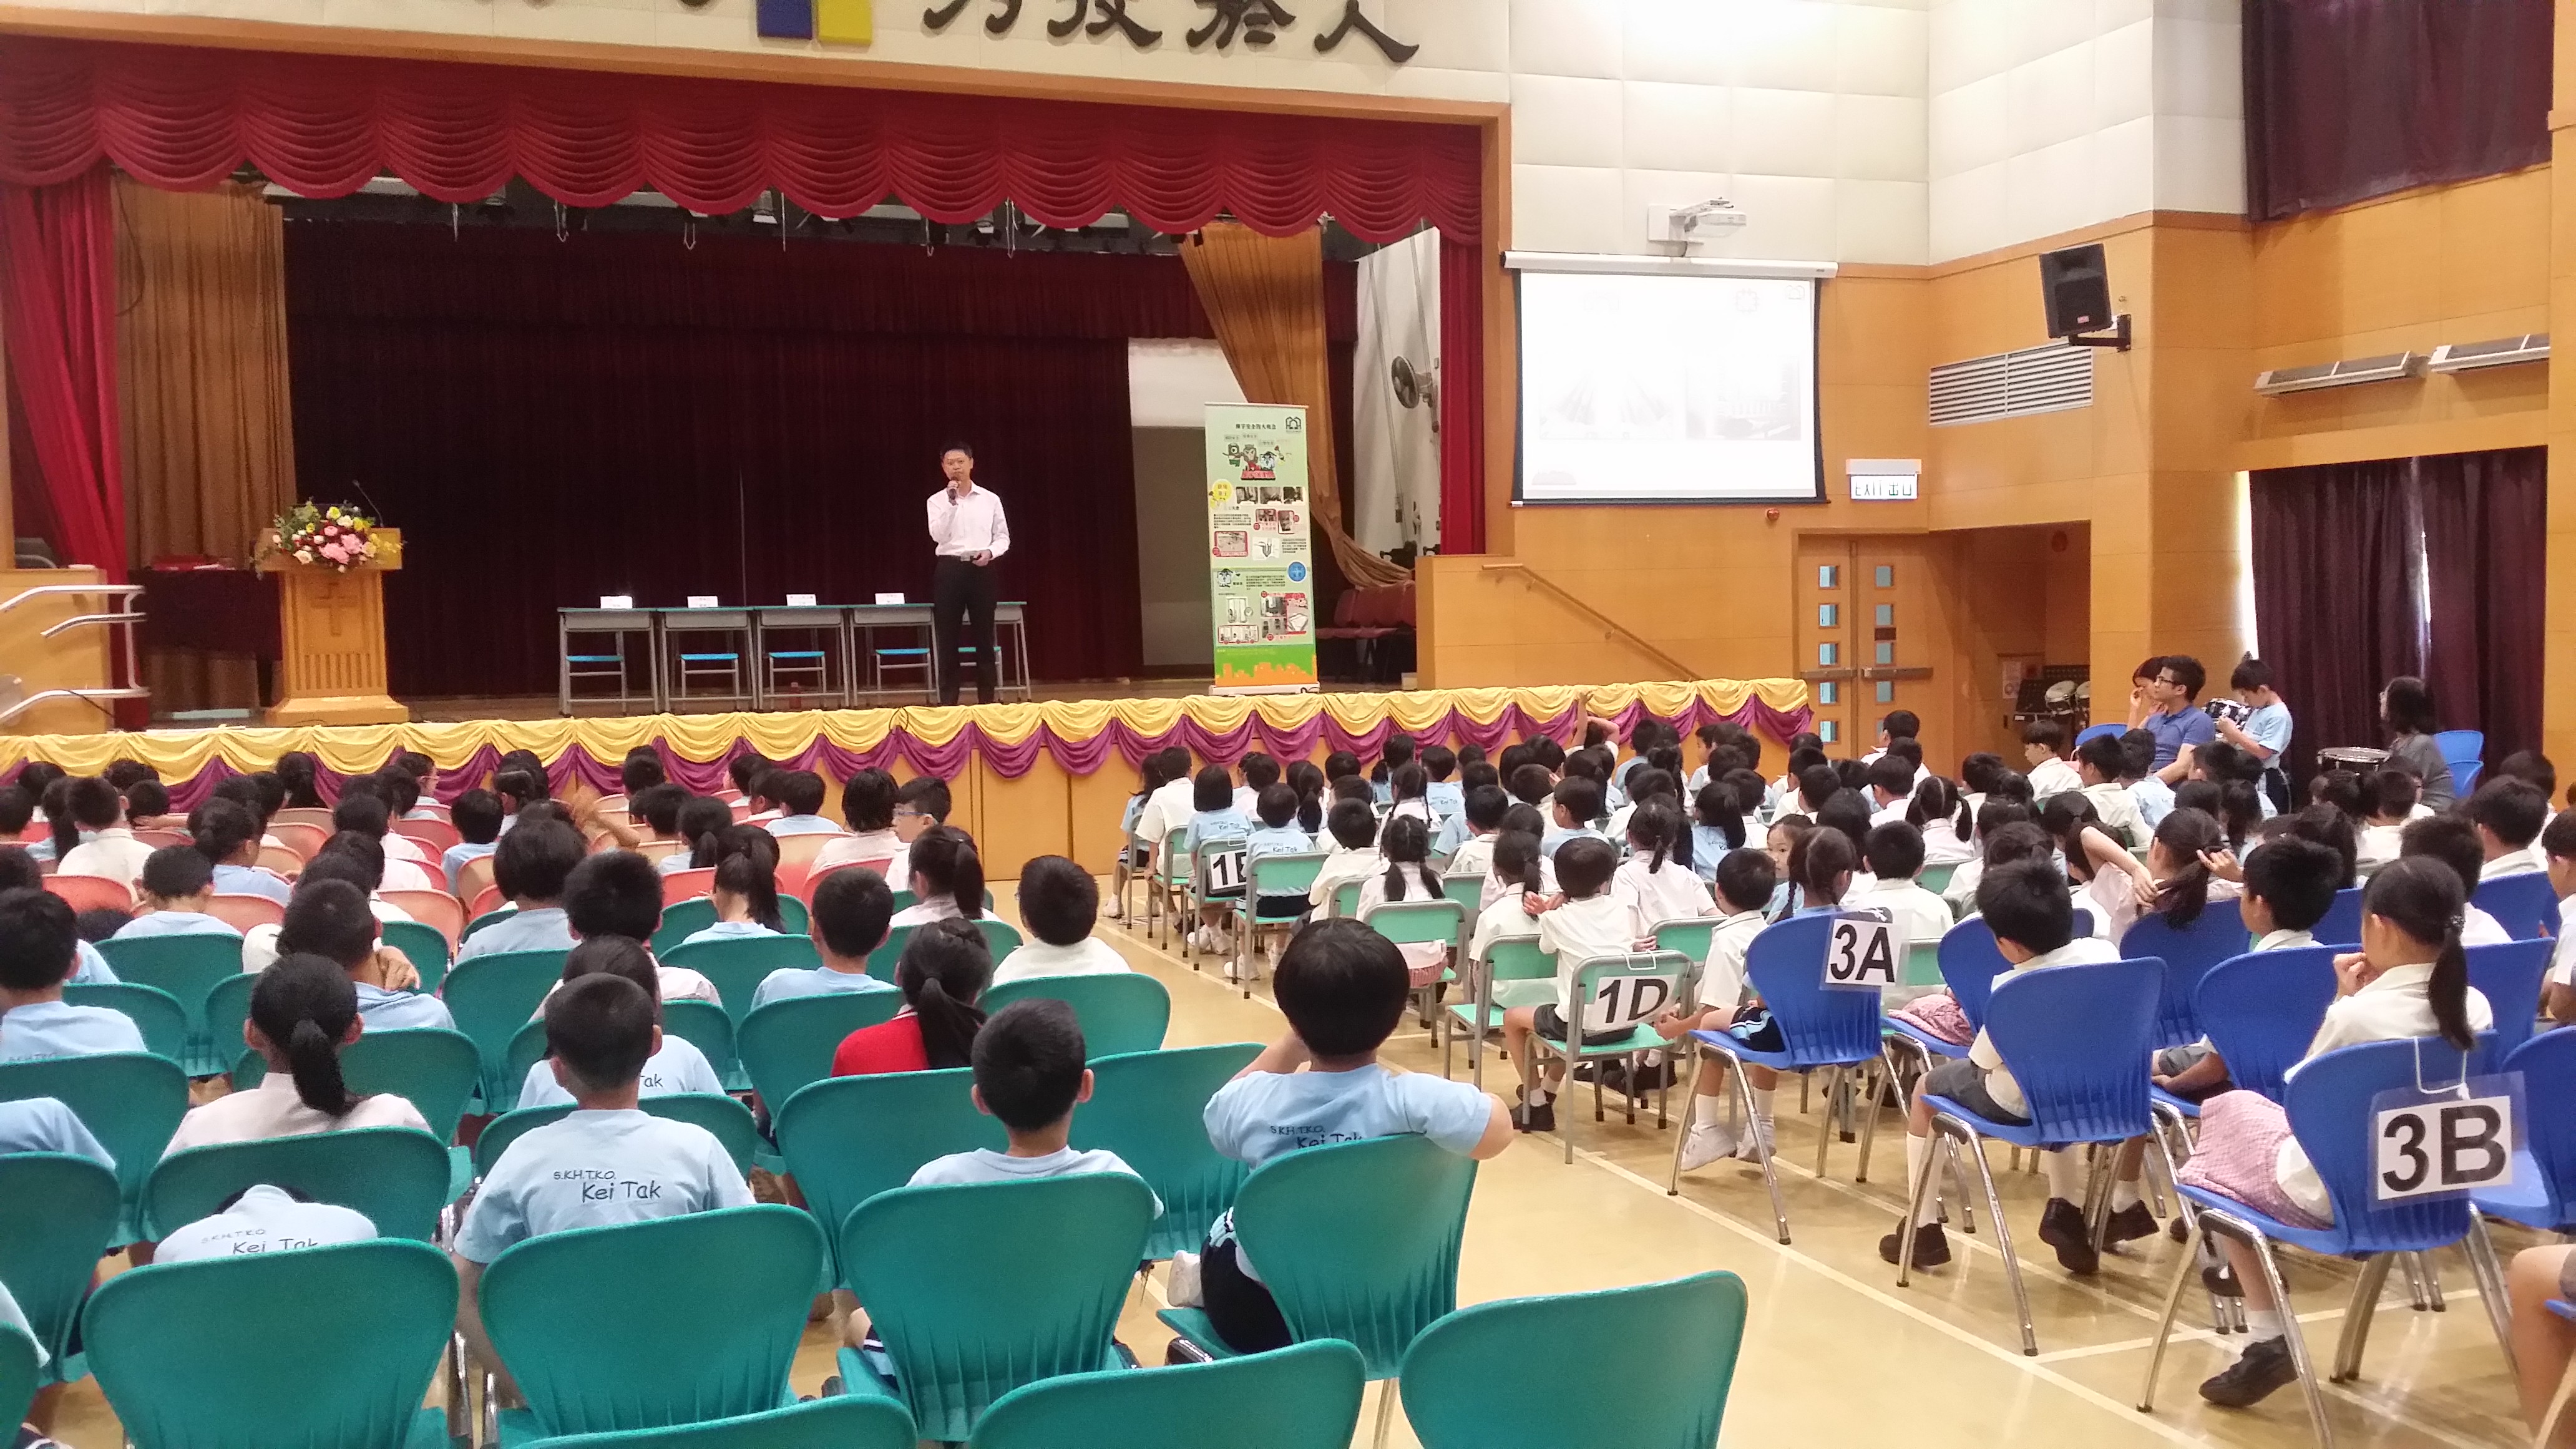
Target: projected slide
1663, 388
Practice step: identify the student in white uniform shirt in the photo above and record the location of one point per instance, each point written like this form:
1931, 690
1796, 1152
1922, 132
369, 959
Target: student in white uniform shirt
852, 907
676, 1066
1587, 920
264, 1219
330, 919
2042, 742
39, 948
530, 866
608, 1162
2454, 842
1480, 821
178, 885
946, 879
2509, 815
2558, 847
1172, 804
1745, 881
1652, 885
867, 803
1354, 855
360, 812
1060, 903
2388, 802
2290, 884
618, 893
303, 1011
1515, 873
1894, 854
744, 892
1891, 789
348, 867
1406, 847
1029, 1073
108, 848
2098, 762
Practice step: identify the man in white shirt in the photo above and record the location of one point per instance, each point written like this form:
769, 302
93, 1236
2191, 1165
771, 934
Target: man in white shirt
264, 1219
1059, 902
969, 533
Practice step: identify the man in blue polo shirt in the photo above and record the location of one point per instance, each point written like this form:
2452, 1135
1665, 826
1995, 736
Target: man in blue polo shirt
2168, 708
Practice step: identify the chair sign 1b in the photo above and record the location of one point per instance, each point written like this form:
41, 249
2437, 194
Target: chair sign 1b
1225, 873
2445, 1142
1861, 953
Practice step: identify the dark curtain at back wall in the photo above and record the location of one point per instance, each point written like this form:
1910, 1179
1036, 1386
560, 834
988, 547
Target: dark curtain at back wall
2348, 99
550, 421
2486, 553
2334, 596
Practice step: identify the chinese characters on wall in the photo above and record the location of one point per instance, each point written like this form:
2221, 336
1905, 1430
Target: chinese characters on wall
1255, 24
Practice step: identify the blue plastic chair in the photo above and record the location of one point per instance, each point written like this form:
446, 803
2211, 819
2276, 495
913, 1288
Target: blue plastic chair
2342, 923
2525, 905
840, 1423
57, 1215
1970, 961
1467, 1383
1819, 1028
130, 1101
2075, 1038
1303, 1397
2463, 751
2329, 1108
2099, 731
2509, 974
154, 1012
2215, 935
2262, 1010
846, 1139
2543, 1192
1149, 1108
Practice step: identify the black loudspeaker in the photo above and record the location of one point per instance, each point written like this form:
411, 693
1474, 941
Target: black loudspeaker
2075, 286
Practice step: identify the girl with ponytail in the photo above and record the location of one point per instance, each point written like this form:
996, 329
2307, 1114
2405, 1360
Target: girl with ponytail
2180, 884
942, 974
1651, 883
303, 1010
1406, 845
1941, 813
703, 822
745, 890
947, 878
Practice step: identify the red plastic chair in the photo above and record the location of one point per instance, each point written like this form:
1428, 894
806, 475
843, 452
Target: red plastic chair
687, 885
90, 892
434, 835
487, 901
280, 861
305, 840
435, 909
805, 888
241, 912
158, 838
318, 819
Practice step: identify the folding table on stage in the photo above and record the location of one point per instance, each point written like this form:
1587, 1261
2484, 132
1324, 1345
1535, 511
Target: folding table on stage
830, 656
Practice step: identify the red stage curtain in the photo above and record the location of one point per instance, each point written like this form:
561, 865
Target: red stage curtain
724, 420
1462, 395
58, 298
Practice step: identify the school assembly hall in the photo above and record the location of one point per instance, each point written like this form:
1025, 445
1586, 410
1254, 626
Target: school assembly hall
1124, 724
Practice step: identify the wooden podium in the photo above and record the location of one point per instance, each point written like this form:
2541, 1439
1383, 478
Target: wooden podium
331, 625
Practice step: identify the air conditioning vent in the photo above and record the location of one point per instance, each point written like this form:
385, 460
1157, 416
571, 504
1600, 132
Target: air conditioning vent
2350, 372
2500, 352
2052, 379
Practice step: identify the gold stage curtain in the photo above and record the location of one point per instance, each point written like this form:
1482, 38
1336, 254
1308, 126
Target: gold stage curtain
1265, 297
201, 364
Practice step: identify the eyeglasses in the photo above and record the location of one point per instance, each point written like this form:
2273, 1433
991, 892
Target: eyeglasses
906, 812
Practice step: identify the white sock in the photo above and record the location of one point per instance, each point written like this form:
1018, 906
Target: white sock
1919, 1150
1762, 1102
1916, 1150
1708, 1109
2124, 1196
1538, 1096
2065, 1175
2263, 1323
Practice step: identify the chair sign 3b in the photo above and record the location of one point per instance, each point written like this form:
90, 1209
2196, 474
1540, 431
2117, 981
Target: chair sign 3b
2445, 1142
1860, 953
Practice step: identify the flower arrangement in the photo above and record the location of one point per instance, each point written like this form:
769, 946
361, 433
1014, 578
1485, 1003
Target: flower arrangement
339, 537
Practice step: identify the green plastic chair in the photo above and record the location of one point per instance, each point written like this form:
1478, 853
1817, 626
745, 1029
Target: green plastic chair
332, 1345
18, 1371
1171, 881
881, 960
1305, 1397
494, 916
1515, 972
686, 918
423, 946
1691, 937
431, 1067
1271, 877
397, 1176
738, 966
491, 997
704, 1025
1120, 1011
1037, 1297
154, 1012
842, 1423
1000, 936
1346, 899
188, 967
1148, 1108
1638, 967
728, 1119
130, 1101
1443, 922
1936, 878
653, 1324
1357, 1241
846, 1139
1467, 889
58, 1213
903, 899
1467, 1383
788, 1044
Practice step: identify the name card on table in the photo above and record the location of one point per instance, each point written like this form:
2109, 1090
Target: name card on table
617, 601
889, 598
800, 601
702, 601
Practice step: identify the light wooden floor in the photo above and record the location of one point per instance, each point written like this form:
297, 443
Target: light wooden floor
1835, 1352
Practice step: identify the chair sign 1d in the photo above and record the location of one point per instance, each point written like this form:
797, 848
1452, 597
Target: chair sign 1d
1861, 953
2445, 1142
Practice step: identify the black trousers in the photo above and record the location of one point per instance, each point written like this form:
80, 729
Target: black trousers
961, 588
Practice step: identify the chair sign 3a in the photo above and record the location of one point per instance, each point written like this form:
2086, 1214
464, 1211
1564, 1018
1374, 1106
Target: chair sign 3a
1860, 953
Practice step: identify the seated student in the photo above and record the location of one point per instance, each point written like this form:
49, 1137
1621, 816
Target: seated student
1405, 796
1060, 903
100, 923
658, 806
759, 787
2147, 791
1354, 788
852, 907
919, 806
1029, 1073
2042, 742
1405, 845
1848, 811
1891, 789
1585, 920
641, 770
676, 1064
2529, 766
264, 1219
1576, 807
477, 818
1446, 796
2097, 865
2408, 980
1343, 988
617, 893
363, 813
1395, 755
1941, 815
745, 890
1309, 783
1214, 818
517, 789
2509, 815
702, 822
1275, 830
1354, 855
39, 950
1514, 873
147, 806
44, 1124
530, 867
1894, 855
1259, 772
1530, 784
350, 867
227, 834
303, 1011
2098, 763
402, 797
1745, 882
1455, 828
744, 771
799, 794
942, 974
2454, 842
2178, 883
1717, 826
2028, 907
1525, 820
54, 812
329, 918
2289, 887
300, 774
947, 880
2387, 799
1167, 797
106, 845
867, 802
178, 884
600, 1032
1652, 884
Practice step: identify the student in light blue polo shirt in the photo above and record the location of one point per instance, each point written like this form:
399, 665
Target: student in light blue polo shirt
331, 919
745, 890
530, 867
38, 940
1577, 805
178, 885
1277, 832
477, 818
19, 871
675, 1066
2265, 731
700, 822
852, 906
227, 833
608, 1162
1029, 1072
799, 794
1446, 795
44, 1124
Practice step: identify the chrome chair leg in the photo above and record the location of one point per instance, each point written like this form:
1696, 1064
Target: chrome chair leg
2491, 1290
2356, 1319
1761, 1147
2003, 1234
2188, 1261
2271, 1265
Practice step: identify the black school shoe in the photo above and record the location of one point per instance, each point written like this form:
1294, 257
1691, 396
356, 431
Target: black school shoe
1931, 1247
2130, 1224
1541, 1118
2061, 1226
2264, 1368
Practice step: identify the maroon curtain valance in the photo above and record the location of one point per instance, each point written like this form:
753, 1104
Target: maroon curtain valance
322, 125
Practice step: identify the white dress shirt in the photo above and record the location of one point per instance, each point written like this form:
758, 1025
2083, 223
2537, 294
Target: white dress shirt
964, 527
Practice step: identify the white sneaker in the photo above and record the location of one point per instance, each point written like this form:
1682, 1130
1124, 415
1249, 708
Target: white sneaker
1708, 1142
1182, 1283
1757, 1139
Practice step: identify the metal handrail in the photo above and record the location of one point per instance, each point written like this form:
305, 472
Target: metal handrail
127, 617
47, 590
97, 698
1612, 628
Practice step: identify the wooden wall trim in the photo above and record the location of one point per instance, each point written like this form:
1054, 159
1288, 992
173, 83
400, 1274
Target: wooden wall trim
2527, 428
2099, 231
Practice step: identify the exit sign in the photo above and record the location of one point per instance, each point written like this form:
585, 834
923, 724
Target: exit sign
1884, 480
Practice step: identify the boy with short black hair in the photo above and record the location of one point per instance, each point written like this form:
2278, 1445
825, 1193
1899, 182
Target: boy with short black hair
1891, 786
918, 805
2099, 762
1343, 988
852, 906
1473, 854
799, 794
1577, 806
2508, 814
2153, 797
2290, 884
1585, 920
178, 885
1894, 854
2456, 843
530, 866
477, 818
330, 919
1445, 796
1745, 880
39, 948
1060, 903
1030, 1073
2042, 742
1353, 826
2558, 847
